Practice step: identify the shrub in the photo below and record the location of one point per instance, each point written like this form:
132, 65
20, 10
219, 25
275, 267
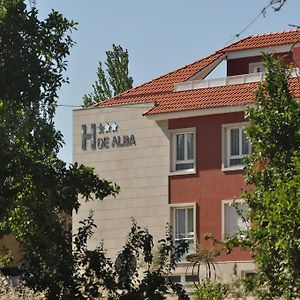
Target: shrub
7, 292
211, 290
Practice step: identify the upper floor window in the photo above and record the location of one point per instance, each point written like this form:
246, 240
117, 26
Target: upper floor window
234, 217
183, 150
235, 145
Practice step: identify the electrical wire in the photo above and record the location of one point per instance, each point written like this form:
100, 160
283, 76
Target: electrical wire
131, 105
66, 105
263, 13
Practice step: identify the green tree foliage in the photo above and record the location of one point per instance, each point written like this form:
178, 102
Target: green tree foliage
211, 290
272, 173
8, 292
97, 276
115, 82
38, 192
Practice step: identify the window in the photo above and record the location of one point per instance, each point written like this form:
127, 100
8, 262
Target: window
183, 150
184, 224
234, 217
235, 146
248, 274
257, 67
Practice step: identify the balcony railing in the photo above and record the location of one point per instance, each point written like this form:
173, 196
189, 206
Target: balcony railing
230, 80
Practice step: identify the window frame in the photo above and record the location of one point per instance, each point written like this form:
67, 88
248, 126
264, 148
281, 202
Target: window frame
224, 225
173, 208
226, 142
253, 67
174, 133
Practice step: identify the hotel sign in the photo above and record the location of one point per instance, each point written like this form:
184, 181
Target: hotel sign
105, 136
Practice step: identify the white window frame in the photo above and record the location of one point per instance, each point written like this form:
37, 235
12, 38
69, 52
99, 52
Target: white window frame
173, 155
254, 66
173, 208
224, 203
226, 146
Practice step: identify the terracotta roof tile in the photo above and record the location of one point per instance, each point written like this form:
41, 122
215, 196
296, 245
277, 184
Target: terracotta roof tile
165, 83
206, 98
239, 94
265, 40
161, 90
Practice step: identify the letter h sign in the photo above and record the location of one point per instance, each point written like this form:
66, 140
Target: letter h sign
88, 136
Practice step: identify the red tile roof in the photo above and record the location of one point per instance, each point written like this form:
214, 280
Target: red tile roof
265, 40
229, 95
222, 96
161, 85
161, 90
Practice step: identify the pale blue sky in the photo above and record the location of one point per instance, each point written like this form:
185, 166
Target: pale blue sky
160, 35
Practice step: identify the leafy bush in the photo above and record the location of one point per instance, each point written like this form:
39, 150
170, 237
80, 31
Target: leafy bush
7, 292
97, 276
211, 290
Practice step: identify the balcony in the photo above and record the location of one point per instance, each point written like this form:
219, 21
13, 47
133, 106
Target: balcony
224, 81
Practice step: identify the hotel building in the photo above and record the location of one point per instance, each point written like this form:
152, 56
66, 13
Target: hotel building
175, 146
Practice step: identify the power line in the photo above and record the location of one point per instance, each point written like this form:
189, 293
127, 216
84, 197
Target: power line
263, 13
296, 26
66, 105
136, 105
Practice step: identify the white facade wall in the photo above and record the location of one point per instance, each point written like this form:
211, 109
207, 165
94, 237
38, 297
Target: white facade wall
141, 171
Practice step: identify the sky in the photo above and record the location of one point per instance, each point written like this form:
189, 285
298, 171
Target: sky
160, 35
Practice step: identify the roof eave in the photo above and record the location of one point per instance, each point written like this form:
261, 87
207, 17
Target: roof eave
196, 112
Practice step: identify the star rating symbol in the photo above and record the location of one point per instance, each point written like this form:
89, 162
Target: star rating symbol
114, 127
107, 128
101, 128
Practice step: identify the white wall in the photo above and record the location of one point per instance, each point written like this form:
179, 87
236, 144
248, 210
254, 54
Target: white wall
141, 171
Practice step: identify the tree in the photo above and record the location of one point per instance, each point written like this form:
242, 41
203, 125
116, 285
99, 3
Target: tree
134, 275
115, 82
38, 192
273, 176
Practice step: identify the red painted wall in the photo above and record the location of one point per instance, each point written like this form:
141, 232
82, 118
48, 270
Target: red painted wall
296, 57
240, 66
210, 185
